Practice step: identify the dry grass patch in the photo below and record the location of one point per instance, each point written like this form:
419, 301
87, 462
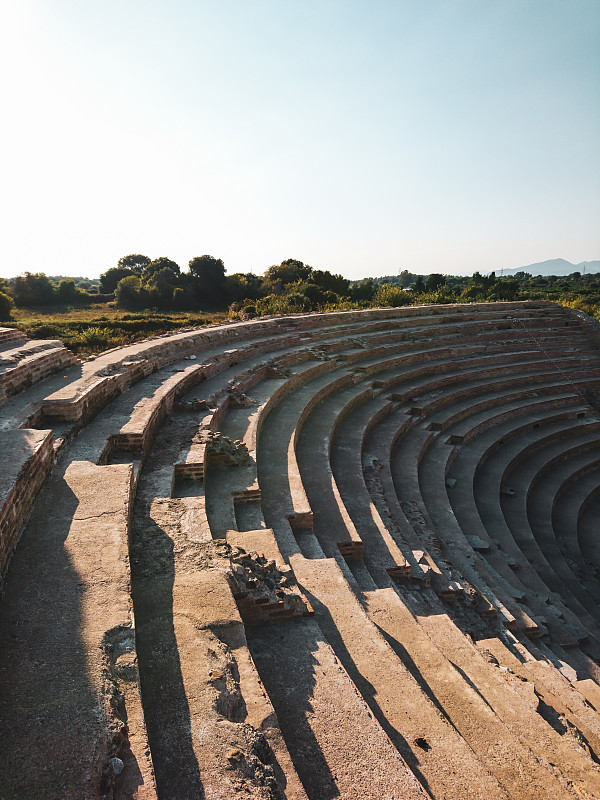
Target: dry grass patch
98, 327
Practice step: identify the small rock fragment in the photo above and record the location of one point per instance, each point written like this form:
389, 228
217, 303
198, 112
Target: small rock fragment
116, 765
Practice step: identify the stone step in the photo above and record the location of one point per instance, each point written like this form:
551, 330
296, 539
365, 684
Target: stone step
75, 629
447, 763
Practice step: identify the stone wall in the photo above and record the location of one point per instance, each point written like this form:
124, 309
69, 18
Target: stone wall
27, 457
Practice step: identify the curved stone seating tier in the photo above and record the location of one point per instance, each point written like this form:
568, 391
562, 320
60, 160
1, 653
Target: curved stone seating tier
367, 503
137, 433
323, 581
569, 503
148, 408
419, 410
302, 413
335, 688
438, 477
105, 377
526, 513
435, 643
330, 388
556, 481
235, 490
404, 466
455, 469
490, 486
23, 363
10, 336
302, 628
108, 374
202, 696
311, 471
591, 665
533, 400
587, 530
476, 511
345, 470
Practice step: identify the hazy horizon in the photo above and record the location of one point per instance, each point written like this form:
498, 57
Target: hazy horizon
448, 136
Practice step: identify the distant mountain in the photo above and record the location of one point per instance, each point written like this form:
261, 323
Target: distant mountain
554, 266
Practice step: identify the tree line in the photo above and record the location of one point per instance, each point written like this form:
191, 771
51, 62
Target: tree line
139, 283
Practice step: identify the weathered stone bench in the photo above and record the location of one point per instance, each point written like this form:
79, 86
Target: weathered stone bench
27, 457
23, 363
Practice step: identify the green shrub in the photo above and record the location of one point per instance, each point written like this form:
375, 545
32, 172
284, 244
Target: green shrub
130, 294
95, 336
387, 295
6, 305
441, 296
33, 290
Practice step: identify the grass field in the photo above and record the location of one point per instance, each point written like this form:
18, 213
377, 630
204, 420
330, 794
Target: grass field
98, 327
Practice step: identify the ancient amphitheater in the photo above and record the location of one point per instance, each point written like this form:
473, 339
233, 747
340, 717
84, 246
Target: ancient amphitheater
346, 555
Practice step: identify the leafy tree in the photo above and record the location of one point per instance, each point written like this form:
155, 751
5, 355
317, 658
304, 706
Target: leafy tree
130, 293
483, 282
329, 282
136, 263
333, 299
476, 279
292, 303
419, 285
33, 289
67, 293
504, 289
110, 278
363, 291
279, 276
207, 268
208, 275
434, 281
5, 306
313, 294
406, 278
297, 302
243, 285
160, 287
157, 265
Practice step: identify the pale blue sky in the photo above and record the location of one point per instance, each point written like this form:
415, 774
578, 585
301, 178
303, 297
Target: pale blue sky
362, 137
